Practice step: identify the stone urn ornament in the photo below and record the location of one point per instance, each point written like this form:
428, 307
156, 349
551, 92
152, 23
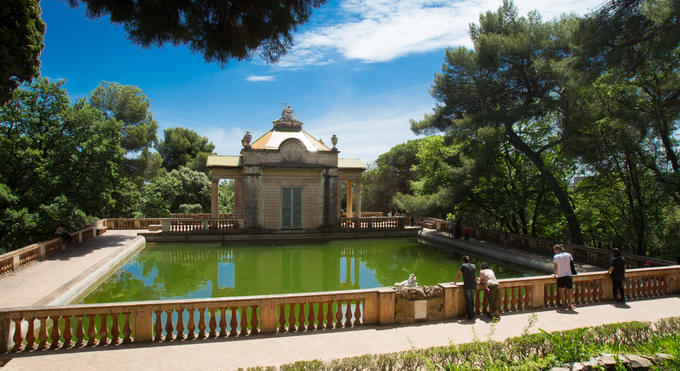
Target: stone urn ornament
334, 140
246, 140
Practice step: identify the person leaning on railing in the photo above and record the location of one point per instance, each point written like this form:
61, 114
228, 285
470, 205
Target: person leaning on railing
617, 272
562, 270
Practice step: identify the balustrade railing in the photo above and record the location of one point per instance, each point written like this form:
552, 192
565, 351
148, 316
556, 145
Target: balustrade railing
24, 330
591, 255
378, 223
131, 223
19, 258
199, 225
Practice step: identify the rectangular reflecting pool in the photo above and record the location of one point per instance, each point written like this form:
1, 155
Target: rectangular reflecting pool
182, 271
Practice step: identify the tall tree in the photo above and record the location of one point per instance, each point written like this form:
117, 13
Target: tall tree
515, 80
21, 42
184, 147
220, 30
59, 163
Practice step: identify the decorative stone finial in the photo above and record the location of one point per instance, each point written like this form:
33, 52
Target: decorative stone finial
246, 140
334, 140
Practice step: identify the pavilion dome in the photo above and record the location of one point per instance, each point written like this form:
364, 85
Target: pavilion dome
284, 128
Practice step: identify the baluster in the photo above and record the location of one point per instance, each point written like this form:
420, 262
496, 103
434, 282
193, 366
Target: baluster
528, 298
547, 298
223, 322
103, 330
201, 323
30, 335
291, 318
169, 328
191, 326
18, 336
485, 304
56, 334
115, 330
338, 315
310, 317
158, 327
329, 314
301, 318
213, 323
348, 314
662, 285
357, 313
320, 317
180, 324
127, 329
508, 294
233, 322
254, 323
244, 321
80, 333
68, 333
91, 331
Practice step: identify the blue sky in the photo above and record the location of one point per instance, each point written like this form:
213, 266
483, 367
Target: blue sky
360, 69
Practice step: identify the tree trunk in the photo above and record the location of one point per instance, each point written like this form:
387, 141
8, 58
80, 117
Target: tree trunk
567, 210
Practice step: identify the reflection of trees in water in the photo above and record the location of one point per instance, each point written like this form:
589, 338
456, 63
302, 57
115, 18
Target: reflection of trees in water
122, 286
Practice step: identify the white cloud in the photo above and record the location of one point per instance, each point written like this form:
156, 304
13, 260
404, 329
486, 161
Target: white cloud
382, 30
259, 78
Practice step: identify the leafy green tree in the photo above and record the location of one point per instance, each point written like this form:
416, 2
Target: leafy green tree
21, 42
59, 163
127, 104
220, 30
164, 194
392, 174
184, 147
226, 197
516, 79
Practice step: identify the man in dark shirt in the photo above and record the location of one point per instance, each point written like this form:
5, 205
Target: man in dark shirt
617, 272
468, 270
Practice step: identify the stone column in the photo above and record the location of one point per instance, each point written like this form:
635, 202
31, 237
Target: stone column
252, 189
214, 198
330, 198
349, 212
358, 198
339, 196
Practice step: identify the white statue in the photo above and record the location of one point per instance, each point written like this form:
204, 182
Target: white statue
410, 282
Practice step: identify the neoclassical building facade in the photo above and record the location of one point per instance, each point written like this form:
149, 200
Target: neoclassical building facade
288, 180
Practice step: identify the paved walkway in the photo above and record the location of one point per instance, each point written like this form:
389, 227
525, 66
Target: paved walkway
281, 349
43, 282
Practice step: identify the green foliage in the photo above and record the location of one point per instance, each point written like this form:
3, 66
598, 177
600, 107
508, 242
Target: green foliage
226, 197
220, 30
21, 42
534, 351
59, 164
190, 208
184, 147
165, 194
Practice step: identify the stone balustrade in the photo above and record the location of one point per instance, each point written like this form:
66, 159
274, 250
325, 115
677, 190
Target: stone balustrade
23, 330
582, 254
372, 223
19, 258
130, 223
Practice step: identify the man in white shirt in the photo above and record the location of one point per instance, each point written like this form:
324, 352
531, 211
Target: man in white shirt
562, 271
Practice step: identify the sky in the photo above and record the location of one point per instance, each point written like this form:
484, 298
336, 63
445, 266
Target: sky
360, 69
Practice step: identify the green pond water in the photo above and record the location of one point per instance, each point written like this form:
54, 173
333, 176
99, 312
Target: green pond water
182, 271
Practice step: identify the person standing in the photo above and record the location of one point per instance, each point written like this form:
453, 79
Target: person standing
562, 271
488, 278
617, 272
468, 270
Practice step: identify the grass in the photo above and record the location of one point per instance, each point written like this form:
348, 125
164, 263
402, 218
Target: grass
539, 351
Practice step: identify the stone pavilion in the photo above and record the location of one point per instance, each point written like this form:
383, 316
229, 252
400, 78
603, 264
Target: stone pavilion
288, 180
